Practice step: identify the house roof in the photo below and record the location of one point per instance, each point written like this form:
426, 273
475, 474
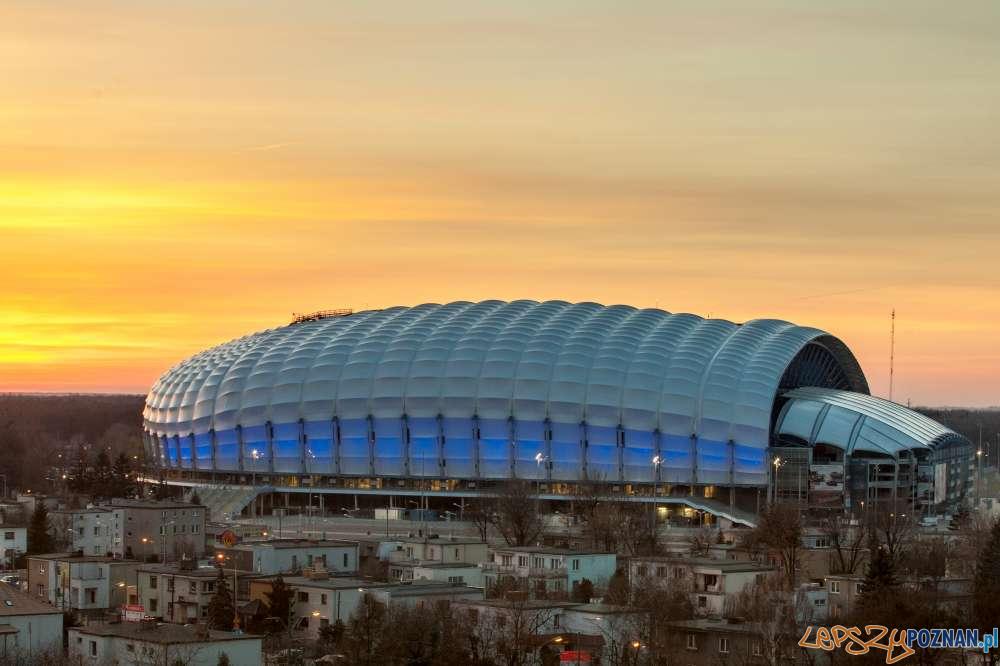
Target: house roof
285, 544
546, 550
13, 603
331, 583
160, 632
77, 558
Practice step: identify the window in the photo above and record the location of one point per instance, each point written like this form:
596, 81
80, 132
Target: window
91, 595
555, 622
456, 553
93, 648
757, 649
152, 582
456, 579
193, 587
304, 597
641, 571
195, 529
822, 542
322, 599
522, 560
711, 580
97, 531
857, 588
724, 645
692, 642
834, 587
506, 560
153, 603
576, 565
130, 647
538, 562
702, 601
345, 560
661, 572
8, 536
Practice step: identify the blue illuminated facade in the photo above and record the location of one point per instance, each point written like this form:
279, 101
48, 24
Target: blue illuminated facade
494, 390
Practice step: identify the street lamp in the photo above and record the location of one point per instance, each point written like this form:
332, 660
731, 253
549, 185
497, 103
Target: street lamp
777, 462
539, 459
657, 461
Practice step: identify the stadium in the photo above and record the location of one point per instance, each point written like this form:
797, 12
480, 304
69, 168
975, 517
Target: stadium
449, 401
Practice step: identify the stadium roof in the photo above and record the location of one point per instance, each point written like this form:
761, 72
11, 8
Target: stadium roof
852, 421
644, 369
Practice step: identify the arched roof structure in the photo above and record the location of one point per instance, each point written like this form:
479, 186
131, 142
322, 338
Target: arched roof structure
857, 422
640, 369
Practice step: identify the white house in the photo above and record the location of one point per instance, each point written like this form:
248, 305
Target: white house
13, 542
458, 572
86, 583
708, 580
319, 601
291, 555
546, 571
28, 627
140, 643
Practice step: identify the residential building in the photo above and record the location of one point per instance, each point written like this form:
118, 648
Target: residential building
844, 592
28, 626
91, 530
167, 529
708, 580
319, 599
180, 592
291, 555
423, 594
140, 643
446, 550
458, 572
544, 571
90, 584
709, 642
13, 543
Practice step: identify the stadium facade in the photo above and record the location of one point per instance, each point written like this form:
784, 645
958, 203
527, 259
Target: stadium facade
461, 396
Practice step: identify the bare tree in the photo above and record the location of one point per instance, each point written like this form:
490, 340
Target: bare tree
780, 529
516, 514
636, 527
847, 542
769, 611
480, 511
890, 530
702, 541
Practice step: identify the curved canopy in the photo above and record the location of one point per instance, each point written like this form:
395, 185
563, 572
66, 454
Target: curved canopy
858, 422
641, 369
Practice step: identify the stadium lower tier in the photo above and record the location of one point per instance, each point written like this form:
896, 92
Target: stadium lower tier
463, 449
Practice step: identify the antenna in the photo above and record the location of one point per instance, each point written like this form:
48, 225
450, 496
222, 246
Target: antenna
892, 351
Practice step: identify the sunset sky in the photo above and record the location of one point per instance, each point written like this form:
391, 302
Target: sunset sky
177, 174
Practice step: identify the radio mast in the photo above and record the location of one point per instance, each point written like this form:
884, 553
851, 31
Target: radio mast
892, 351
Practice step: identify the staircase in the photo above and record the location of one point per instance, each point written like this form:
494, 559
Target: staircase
225, 503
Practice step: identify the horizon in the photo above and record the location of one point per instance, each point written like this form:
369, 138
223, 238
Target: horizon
822, 165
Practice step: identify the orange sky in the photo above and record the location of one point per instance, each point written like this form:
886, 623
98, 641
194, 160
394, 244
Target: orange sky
173, 175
